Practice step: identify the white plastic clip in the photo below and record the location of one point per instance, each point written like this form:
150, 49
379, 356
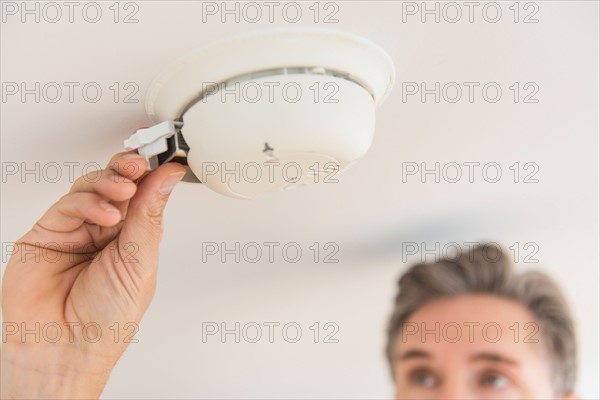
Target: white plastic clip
152, 141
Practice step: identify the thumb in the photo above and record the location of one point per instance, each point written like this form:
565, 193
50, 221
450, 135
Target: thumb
142, 228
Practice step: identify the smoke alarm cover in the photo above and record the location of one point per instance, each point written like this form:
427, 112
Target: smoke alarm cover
271, 110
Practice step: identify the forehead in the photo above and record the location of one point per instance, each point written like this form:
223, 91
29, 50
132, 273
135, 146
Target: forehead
467, 324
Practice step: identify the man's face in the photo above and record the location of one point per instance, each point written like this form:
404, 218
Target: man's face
471, 347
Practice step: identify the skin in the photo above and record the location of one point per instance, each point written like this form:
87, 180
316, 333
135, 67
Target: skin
90, 260
473, 365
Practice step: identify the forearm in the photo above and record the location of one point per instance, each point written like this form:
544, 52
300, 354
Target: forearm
51, 372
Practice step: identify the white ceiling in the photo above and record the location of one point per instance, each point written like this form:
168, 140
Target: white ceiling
369, 213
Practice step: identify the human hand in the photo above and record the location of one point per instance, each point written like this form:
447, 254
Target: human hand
89, 262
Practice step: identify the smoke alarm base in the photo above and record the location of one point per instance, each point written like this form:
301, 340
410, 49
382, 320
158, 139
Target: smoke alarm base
353, 57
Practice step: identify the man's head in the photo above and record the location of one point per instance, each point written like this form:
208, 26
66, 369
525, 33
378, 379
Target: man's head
471, 327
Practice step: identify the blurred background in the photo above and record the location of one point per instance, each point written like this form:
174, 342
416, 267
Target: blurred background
529, 129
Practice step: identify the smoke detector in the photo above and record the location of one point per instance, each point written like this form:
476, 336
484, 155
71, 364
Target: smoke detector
267, 111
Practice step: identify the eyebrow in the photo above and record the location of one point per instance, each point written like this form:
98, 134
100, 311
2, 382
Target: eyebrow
493, 357
490, 357
412, 354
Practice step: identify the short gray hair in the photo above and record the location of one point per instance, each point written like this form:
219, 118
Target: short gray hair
486, 269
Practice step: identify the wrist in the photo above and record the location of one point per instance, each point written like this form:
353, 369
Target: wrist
52, 371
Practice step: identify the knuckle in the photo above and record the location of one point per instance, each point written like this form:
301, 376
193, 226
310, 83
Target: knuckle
69, 198
63, 198
96, 178
79, 199
154, 213
92, 177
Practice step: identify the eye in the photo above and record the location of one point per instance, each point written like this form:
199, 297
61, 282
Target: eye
423, 378
495, 380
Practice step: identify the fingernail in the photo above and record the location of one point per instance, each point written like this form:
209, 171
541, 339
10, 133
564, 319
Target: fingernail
106, 206
169, 183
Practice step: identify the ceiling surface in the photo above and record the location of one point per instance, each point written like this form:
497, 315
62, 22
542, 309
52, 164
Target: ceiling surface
545, 119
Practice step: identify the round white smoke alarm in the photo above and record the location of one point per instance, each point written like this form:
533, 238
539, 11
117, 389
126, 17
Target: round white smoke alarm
267, 111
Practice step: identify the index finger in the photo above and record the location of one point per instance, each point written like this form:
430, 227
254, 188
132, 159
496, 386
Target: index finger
128, 164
